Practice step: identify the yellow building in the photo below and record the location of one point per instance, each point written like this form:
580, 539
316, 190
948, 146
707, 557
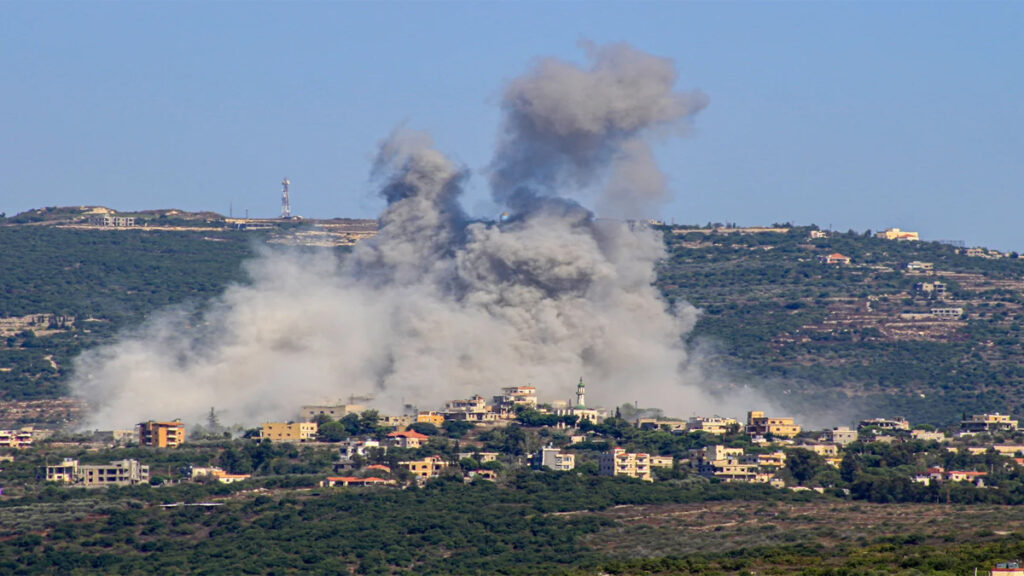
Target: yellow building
288, 431
430, 418
429, 467
618, 462
760, 425
712, 425
897, 234
162, 434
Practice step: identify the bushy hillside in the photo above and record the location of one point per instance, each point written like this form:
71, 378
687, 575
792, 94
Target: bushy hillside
858, 336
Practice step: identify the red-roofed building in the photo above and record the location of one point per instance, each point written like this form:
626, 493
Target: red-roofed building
407, 439
380, 467
834, 258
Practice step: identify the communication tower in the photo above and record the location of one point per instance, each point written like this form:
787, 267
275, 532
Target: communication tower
286, 208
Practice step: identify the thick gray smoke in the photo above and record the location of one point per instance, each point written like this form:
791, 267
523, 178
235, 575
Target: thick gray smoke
437, 307
567, 127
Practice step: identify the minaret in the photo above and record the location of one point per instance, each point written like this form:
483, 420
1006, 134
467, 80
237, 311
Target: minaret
580, 393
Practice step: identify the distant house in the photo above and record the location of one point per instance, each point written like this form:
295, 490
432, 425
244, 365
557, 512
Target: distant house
988, 423
332, 481
818, 234
897, 234
760, 425
918, 266
288, 431
407, 439
429, 467
885, 424
119, 473
161, 434
834, 258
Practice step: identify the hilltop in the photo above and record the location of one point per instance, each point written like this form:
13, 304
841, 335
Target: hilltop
918, 329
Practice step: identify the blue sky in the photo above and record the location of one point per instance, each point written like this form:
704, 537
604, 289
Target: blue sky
854, 115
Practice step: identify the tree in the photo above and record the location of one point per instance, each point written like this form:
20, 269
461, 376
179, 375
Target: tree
332, 432
425, 428
804, 464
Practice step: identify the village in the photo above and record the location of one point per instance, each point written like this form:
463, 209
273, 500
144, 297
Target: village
478, 440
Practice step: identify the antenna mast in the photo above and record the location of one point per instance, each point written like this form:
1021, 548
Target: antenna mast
286, 208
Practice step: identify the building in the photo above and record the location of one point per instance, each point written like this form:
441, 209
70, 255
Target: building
817, 235
119, 473
931, 289
897, 234
554, 459
918, 266
396, 422
658, 424
516, 396
947, 313
662, 461
430, 418
355, 405
332, 481
988, 423
618, 462
408, 439
16, 438
115, 437
352, 447
761, 425
112, 221
473, 409
727, 464
712, 425
161, 434
580, 410
928, 436
288, 431
834, 258
217, 474
841, 435
429, 467
884, 424
481, 457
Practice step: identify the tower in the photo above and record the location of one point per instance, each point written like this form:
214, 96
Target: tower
580, 393
286, 208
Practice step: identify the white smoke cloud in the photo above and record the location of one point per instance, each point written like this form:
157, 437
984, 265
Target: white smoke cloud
436, 307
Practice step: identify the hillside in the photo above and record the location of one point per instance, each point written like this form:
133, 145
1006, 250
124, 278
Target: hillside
855, 337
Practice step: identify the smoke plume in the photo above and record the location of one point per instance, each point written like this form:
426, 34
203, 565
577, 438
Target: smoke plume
439, 307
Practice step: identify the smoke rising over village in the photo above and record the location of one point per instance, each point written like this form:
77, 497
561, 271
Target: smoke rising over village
438, 306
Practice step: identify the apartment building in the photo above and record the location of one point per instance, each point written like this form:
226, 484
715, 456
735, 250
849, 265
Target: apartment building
288, 431
118, 473
516, 396
16, 438
555, 459
161, 434
760, 425
618, 462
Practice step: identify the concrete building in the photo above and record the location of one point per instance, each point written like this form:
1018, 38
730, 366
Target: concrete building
841, 435
928, 436
288, 431
197, 472
429, 467
396, 422
885, 424
516, 396
112, 221
618, 462
555, 459
988, 423
473, 409
662, 461
119, 473
897, 234
760, 425
351, 447
355, 405
931, 289
16, 438
161, 434
712, 425
481, 457
918, 266
947, 313
660, 424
